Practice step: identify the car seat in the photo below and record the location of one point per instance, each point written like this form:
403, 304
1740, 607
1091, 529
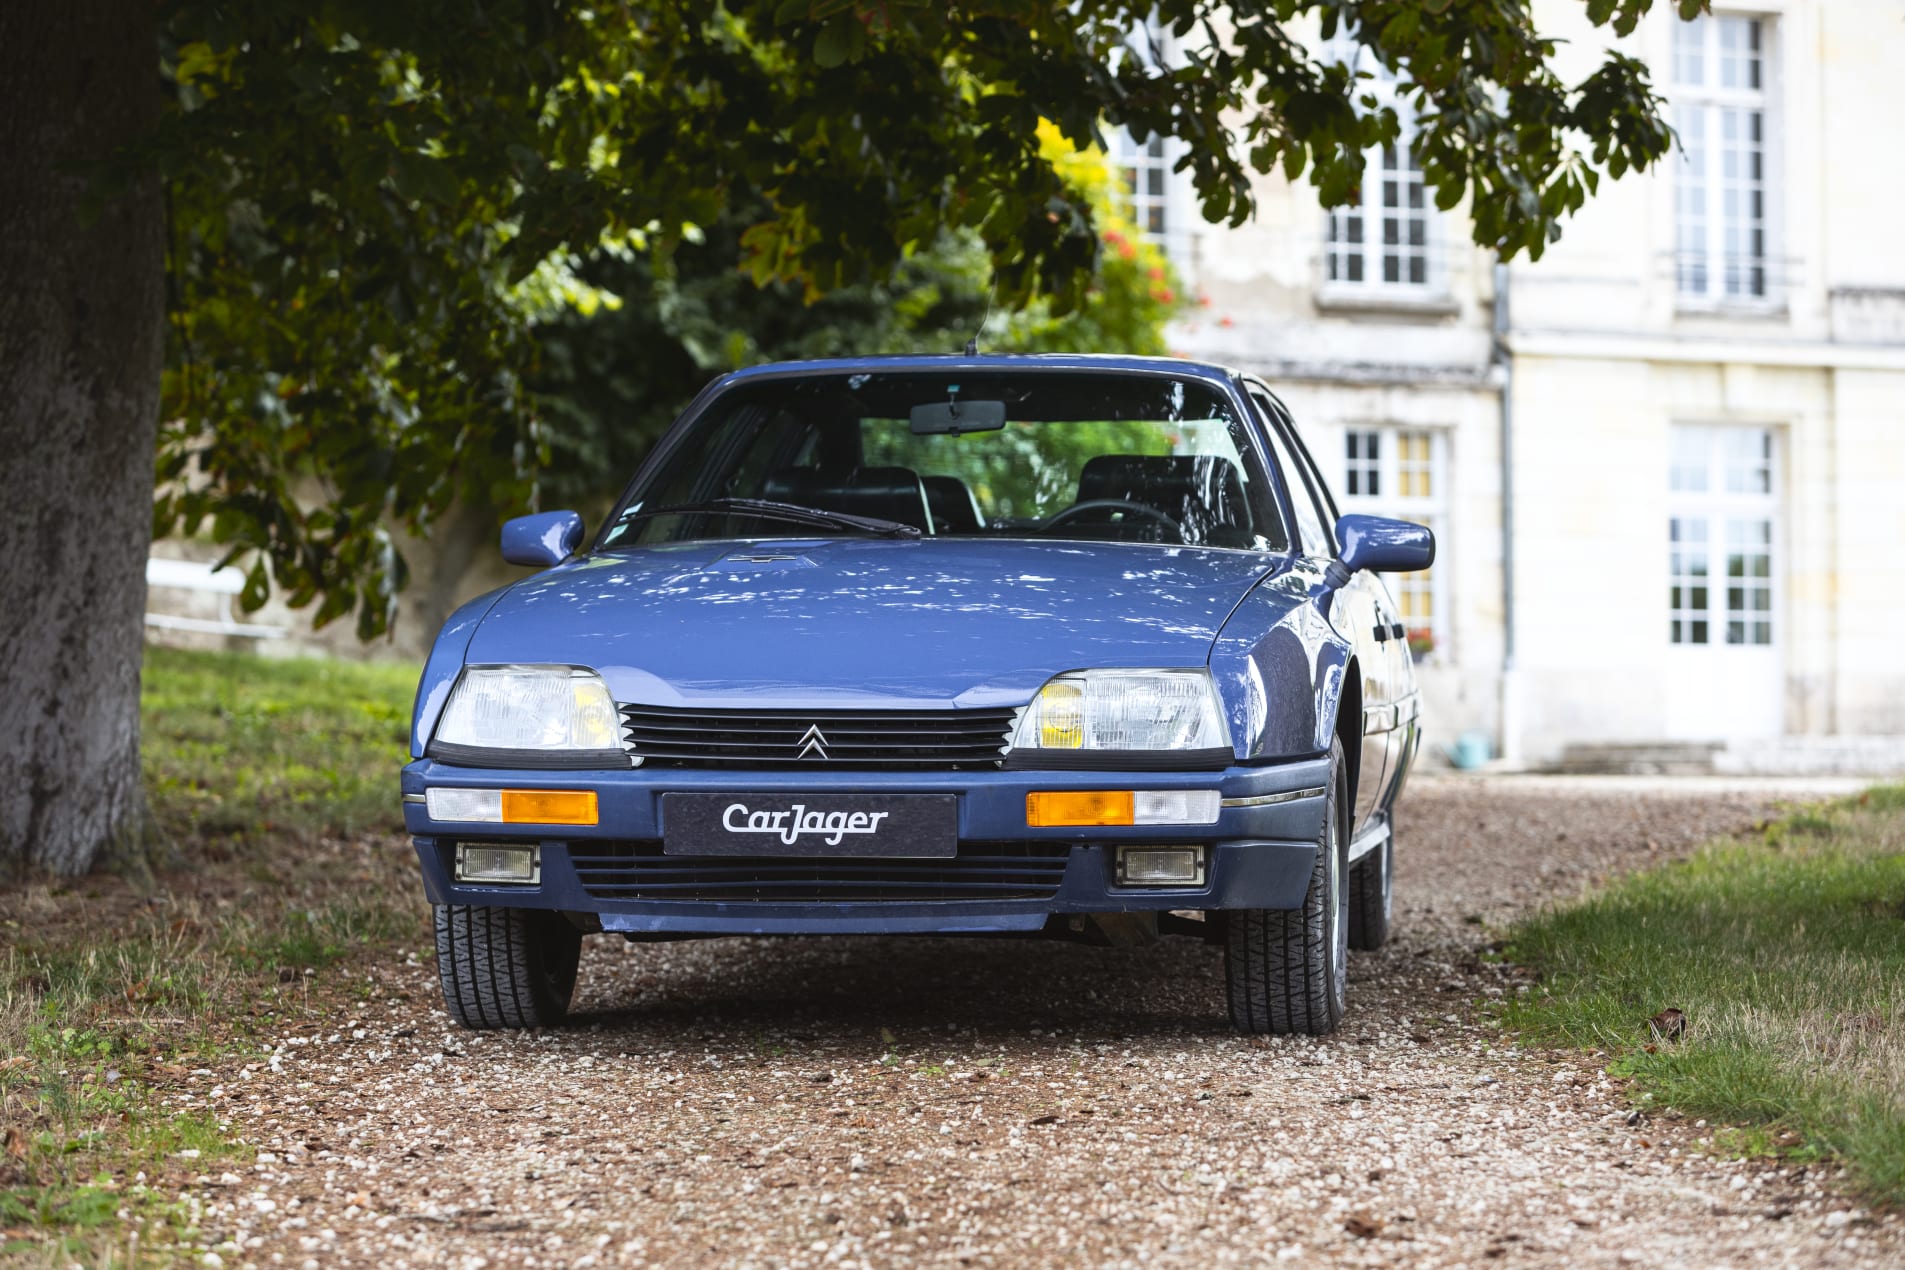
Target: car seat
885, 493
955, 510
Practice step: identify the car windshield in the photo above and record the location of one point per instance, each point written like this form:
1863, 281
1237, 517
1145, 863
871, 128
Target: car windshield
1090, 456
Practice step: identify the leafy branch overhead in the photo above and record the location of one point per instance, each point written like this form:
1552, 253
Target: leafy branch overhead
370, 203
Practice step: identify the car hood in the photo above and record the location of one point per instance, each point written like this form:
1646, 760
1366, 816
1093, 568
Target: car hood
819, 622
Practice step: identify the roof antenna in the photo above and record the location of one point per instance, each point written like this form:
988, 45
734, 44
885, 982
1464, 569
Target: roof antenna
972, 345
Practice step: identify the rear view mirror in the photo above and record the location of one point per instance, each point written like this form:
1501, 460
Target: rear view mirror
542, 540
1383, 545
955, 417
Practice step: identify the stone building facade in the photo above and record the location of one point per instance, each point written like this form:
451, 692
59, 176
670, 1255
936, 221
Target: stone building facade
1666, 463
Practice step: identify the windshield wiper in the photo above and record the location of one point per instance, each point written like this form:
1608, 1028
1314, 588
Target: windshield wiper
793, 513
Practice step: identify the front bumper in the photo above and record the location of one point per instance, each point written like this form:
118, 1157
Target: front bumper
1260, 853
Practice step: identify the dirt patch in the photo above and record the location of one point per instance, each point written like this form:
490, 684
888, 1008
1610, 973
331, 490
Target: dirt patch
998, 1102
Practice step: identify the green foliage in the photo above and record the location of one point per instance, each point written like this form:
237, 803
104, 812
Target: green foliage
113, 996
369, 202
1787, 957
244, 749
614, 378
1023, 470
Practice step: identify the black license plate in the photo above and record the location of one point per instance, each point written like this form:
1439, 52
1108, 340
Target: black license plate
911, 826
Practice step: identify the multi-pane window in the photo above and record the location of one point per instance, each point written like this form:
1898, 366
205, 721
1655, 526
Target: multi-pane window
1749, 581
1384, 238
1162, 203
1146, 169
1720, 536
1399, 472
1362, 463
1720, 196
1688, 579
1415, 468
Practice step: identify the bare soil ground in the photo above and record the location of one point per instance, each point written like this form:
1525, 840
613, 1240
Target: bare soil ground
885, 1102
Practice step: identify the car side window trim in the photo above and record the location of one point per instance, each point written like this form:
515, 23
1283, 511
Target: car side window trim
1321, 486
1271, 452
1320, 497
1308, 531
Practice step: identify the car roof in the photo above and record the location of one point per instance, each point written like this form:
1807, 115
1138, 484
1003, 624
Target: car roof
892, 362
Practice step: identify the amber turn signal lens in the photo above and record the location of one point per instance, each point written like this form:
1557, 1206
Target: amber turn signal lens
1079, 807
549, 807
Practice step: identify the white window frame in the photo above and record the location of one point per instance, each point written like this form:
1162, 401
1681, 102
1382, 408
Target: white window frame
1706, 493
1175, 205
1380, 165
1131, 160
1430, 509
1710, 272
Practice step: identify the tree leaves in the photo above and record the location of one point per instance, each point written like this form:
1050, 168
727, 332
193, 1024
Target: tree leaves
367, 199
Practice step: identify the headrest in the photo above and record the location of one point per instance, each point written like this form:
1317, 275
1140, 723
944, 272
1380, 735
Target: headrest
886, 493
955, 510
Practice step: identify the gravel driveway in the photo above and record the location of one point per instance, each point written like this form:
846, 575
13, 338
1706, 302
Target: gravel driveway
993, 1102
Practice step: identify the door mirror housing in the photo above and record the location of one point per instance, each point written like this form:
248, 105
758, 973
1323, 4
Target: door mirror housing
1382, 545
545, 539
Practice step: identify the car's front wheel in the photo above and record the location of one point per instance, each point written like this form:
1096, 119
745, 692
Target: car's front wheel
506, 967
1287, 969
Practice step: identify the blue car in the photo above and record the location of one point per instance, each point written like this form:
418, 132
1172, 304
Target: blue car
1004, 645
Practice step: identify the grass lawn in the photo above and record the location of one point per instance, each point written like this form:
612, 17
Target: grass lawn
1786, 956
279, 866
244, 749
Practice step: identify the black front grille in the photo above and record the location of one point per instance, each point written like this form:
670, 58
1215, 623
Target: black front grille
871, 740
981, 871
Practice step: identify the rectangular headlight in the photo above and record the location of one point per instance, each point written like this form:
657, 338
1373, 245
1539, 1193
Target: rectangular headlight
531, 708
1130, 711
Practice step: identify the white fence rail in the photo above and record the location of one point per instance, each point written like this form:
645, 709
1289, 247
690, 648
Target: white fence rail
200, 577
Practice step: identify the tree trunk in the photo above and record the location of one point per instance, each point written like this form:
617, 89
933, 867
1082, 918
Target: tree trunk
456, 541
81, 329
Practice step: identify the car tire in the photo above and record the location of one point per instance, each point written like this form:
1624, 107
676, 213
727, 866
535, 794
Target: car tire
1372, 882
506, 967
1287, 969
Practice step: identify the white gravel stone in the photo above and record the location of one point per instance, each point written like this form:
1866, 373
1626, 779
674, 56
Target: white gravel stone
1005, 1103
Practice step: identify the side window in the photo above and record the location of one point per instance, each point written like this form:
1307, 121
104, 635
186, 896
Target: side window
1313, 514
1319, 488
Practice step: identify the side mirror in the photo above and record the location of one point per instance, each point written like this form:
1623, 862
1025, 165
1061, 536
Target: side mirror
1383, 545
543, 539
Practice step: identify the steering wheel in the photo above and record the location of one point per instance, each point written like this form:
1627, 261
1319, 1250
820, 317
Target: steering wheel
1079, 511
